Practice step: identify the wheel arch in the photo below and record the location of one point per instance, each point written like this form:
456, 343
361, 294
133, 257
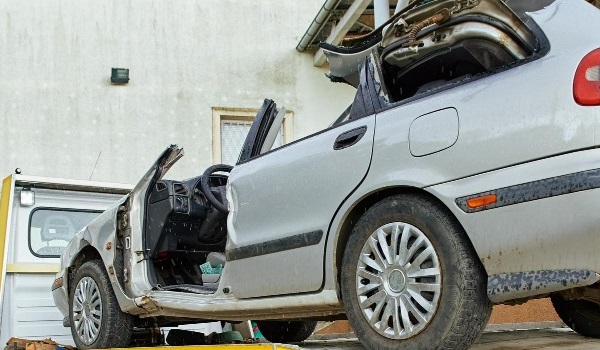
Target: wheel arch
90, 253
86, 254
363, 204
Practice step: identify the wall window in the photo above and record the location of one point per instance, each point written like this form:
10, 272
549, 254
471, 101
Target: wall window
233, 135
230, 127
51, 229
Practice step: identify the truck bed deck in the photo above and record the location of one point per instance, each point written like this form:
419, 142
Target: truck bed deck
547, 339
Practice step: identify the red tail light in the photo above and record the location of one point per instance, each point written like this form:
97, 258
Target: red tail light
586, 85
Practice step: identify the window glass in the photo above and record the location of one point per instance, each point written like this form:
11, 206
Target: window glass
50, 230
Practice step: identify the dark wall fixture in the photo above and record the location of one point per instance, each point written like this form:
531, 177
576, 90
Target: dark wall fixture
119, 76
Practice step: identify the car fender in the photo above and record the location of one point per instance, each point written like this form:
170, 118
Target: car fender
100, 234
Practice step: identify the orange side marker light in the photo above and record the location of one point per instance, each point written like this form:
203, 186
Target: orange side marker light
481, 201
57, 283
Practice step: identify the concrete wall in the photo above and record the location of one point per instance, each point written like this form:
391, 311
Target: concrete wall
59, 112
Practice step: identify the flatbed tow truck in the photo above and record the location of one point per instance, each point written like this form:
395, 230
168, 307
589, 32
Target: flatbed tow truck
546, 339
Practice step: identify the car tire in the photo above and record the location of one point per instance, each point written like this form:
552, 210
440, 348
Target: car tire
286, 331
96, 319
582, 316
439, 303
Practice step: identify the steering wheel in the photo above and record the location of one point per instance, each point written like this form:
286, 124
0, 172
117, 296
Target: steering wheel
205, 186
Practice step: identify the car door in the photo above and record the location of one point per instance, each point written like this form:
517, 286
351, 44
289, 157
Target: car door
282, 202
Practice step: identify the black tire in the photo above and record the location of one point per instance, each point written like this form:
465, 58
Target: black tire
463, 307
286, 331
582, 316
115, 327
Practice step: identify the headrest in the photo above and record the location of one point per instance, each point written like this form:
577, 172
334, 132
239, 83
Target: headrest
57, 227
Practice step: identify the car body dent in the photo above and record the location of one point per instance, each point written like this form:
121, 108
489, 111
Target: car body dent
100, 232
103, 230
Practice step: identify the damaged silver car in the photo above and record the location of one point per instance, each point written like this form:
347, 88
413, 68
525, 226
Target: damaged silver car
465, 173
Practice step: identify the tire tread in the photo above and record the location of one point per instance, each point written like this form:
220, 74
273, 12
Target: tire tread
473, 306
582, 316
117, 326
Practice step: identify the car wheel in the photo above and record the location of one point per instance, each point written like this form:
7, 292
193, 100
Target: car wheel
582, 316
286, 331
410, 278
96, 319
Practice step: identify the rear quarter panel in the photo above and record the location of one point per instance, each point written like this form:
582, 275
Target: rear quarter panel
555, 233
517, 116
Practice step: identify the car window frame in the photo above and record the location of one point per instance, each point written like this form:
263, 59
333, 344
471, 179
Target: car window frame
367, 84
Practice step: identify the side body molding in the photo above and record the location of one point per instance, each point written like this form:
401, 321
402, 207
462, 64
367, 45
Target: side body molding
511, 286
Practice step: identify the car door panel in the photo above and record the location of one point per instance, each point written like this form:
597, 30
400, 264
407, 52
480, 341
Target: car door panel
281, 205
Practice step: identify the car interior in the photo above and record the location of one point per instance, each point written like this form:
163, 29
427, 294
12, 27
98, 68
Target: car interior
186, 221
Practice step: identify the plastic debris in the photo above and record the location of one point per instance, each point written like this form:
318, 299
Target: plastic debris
207, 269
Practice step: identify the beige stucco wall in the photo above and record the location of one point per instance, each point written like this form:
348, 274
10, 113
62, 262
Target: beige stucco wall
58, 110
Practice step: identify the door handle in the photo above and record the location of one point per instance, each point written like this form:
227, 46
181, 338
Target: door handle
349, 138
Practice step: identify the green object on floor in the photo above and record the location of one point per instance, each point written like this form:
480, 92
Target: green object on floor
207, 269
256, 331
229, 337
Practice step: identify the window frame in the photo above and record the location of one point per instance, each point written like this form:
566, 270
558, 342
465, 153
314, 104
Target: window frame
52, 209
220, 114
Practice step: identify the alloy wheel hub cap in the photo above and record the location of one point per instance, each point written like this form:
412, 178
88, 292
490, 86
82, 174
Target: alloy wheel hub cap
87, 310
398, 280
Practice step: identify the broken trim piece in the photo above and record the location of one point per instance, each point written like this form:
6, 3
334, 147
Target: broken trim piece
275, 246
535, 190
521, 285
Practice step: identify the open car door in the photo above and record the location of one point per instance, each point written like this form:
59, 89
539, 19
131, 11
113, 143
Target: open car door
138, 218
